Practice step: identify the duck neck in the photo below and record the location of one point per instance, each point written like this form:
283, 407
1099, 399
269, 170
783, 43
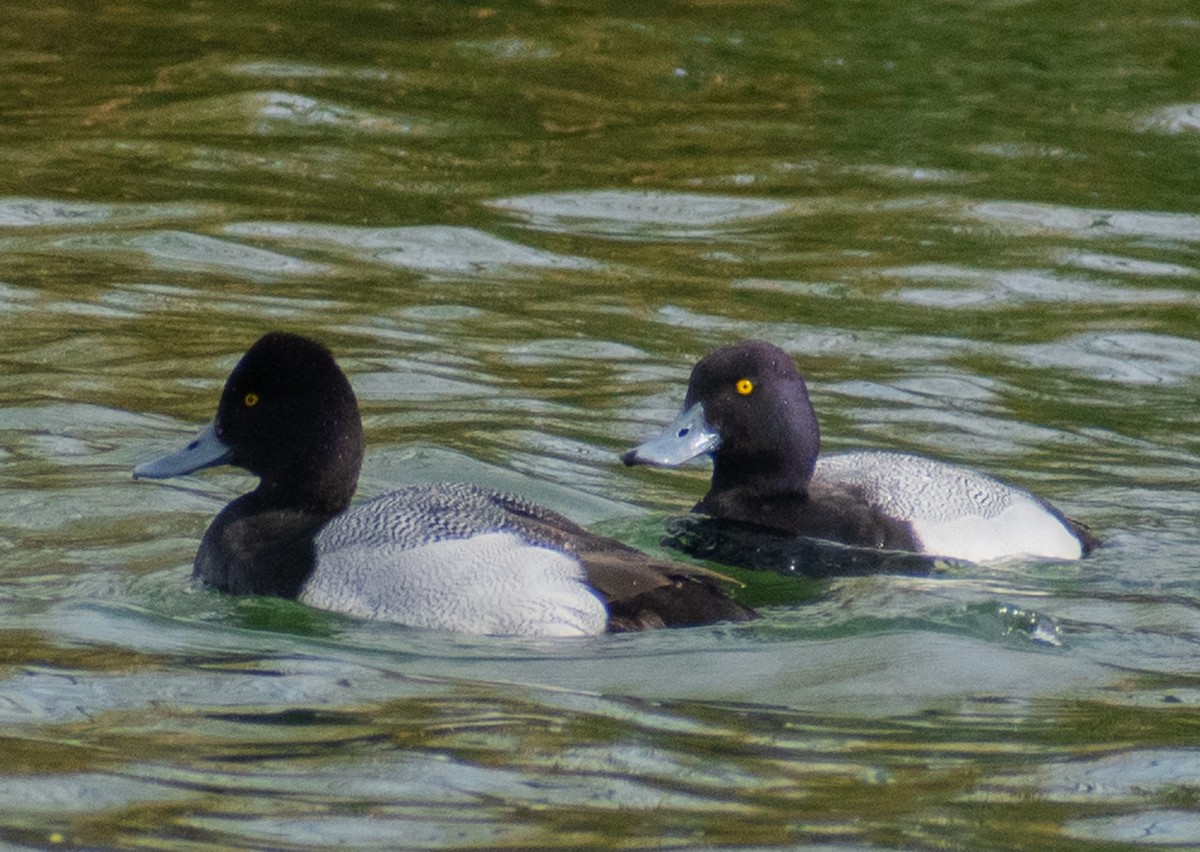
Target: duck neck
774, 460
767, 473
322, 491
319, 476
756, 489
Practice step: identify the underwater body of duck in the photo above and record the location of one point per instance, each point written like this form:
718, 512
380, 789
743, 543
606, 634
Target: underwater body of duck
748, 408
444, 556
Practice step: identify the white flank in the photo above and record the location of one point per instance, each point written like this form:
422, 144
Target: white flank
955, 512
491, 583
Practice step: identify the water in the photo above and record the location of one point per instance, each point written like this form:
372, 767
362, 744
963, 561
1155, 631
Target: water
975, 227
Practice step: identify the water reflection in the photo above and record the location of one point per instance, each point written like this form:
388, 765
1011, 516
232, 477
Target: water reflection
429, 249
612, 213
1083, 223
519, 226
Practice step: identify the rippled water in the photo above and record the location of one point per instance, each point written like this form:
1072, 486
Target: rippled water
977, 229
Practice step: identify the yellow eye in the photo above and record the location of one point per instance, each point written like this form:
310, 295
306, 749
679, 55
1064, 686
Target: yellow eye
745, 387
250, 399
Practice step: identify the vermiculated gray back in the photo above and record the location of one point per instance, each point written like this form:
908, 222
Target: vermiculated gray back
422, 514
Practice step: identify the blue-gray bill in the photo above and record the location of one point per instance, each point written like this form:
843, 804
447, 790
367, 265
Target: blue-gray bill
686, 437
205, 450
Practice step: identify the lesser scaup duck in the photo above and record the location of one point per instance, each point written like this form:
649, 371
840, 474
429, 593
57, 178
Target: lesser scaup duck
748, 408
445, 556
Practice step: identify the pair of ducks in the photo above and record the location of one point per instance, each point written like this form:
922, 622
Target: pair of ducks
469, 559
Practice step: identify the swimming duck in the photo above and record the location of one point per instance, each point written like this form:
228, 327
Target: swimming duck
747, 407
446, 556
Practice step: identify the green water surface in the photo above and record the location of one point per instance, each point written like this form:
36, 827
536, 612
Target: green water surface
976, 226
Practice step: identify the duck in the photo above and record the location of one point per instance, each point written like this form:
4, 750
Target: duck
747, 407
446, 556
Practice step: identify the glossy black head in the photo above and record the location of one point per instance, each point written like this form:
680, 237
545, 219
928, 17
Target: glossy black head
289, 415
756, 401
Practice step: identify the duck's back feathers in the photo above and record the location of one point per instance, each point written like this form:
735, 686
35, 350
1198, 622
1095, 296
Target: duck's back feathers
645, 594
512, 566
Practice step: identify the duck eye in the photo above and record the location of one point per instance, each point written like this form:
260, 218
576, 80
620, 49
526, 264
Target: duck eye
250, 400
745, 387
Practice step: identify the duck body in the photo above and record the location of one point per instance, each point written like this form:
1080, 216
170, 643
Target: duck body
445, 556
455, 556
748, 408
899, 501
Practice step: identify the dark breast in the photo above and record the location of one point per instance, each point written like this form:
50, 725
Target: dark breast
834, 511
266, 552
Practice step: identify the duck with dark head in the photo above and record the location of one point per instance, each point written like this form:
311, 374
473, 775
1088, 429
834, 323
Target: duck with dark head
747, 407
448, 556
